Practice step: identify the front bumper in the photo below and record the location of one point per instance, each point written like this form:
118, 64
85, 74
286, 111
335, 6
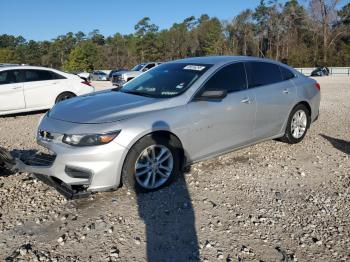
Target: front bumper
96, 167
118, 82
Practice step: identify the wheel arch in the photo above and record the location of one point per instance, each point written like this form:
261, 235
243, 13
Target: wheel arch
63, 92
160, 132
302, 102
306, 104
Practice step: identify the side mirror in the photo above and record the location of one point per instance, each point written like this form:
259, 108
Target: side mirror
212, 95
145, 69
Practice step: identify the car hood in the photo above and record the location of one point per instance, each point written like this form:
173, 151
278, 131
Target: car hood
104, 107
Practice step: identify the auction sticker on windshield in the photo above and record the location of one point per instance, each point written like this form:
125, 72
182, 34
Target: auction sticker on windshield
194, 67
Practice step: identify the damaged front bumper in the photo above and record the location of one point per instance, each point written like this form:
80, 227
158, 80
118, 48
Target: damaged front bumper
38, 163
74, 172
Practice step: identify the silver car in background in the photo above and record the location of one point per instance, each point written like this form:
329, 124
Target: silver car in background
171, 116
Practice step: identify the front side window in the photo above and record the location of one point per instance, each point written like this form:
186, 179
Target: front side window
10, 77
262, 73
231, 78
166, 80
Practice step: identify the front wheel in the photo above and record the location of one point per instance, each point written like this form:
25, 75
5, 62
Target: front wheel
151, 163
297, 125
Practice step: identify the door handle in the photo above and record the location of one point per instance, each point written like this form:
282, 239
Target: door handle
245, 100
286, 91
16, 87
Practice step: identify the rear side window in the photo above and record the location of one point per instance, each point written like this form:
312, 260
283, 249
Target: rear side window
10, 77
149, 66
263, 73
41, 75
286, 74
231, 78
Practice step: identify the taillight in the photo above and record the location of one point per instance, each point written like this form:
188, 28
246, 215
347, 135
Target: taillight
86, 83
318, 86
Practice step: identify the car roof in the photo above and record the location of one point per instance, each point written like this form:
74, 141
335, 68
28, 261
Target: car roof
222, 59
25, 67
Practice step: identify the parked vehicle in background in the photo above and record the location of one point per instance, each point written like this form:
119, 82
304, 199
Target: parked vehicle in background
30, 88
320, 71
121, 77
84, 75
3, 65
110, 75
98, 76
176, 114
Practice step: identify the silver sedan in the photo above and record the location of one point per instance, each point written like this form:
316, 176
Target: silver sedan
171, 116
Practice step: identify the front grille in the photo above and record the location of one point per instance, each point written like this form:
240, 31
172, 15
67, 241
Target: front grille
117, 78
39, 159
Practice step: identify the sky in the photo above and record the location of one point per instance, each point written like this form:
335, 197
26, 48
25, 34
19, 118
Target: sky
46, 19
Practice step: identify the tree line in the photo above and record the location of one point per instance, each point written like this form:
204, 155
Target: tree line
311, 34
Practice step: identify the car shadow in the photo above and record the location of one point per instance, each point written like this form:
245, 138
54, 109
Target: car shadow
340, 144
169, 220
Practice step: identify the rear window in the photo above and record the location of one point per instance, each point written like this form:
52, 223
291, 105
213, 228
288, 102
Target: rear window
32, 75
286, 74
263, 73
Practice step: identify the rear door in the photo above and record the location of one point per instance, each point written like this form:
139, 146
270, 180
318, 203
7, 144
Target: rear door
274, 97
11, 90
218, 126
40, 87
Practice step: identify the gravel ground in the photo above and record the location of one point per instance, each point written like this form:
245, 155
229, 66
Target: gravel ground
269, 202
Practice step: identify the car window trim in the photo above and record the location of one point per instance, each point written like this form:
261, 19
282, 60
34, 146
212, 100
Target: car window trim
193, 98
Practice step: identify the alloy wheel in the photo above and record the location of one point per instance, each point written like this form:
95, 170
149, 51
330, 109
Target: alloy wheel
154, 166
299, 124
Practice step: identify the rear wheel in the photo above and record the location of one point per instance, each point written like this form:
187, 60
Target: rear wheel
64, 96
297, 125
151, 163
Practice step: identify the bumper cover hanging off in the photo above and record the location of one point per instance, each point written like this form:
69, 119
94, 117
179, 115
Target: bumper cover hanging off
34, 163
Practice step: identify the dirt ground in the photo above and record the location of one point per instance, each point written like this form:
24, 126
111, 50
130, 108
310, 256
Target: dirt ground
269, 202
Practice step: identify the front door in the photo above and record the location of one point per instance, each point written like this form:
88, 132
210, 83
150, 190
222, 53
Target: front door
11, 91
218, 126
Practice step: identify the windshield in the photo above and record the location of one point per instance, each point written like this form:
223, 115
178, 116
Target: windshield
166, 80
138, 67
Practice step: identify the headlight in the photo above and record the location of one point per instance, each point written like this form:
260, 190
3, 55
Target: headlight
90, 140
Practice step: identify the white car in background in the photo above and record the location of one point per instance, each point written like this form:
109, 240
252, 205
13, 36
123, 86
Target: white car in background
31, 88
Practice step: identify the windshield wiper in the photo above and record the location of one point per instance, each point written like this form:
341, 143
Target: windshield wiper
133, 92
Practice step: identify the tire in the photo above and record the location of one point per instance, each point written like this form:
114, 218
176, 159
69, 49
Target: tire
136, 156
64, 96
295, 123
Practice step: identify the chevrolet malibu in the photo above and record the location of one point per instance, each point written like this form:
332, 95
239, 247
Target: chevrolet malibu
171, 116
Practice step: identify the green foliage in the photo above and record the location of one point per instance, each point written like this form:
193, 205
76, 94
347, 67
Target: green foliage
281, 30
8, 56
82, 57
